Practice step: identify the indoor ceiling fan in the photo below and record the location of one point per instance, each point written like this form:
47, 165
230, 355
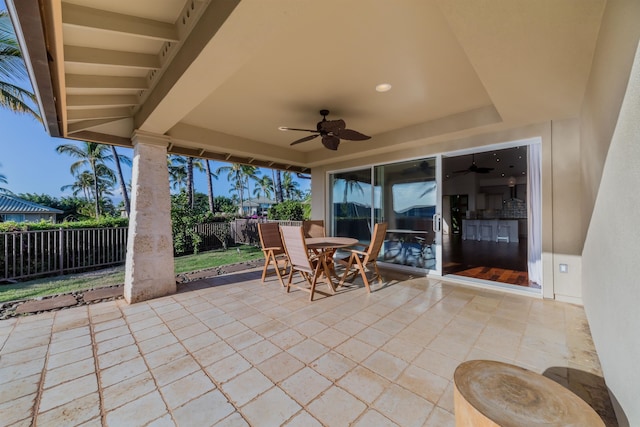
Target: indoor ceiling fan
474, 168
331, 131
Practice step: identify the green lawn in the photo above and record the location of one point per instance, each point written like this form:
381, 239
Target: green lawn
115, 275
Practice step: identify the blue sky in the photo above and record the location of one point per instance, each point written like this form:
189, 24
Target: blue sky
29, 161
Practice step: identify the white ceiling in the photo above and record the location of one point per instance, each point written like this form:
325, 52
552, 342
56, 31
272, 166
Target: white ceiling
220, 77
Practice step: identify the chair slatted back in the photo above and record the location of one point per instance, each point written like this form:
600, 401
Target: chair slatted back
296, 248
270, 237
377, 238
313, 228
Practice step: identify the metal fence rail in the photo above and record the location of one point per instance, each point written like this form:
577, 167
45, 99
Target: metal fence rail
27, 254
32, 254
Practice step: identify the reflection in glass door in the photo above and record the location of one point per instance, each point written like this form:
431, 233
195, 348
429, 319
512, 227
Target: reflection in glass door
408, 201
351, 204
405, 196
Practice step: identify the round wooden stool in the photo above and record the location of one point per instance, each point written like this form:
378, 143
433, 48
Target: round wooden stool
489, 393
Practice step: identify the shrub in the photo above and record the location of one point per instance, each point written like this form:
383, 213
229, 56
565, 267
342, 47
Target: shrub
288, 210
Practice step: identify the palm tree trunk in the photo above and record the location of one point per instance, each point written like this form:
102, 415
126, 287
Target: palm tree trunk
210, 184
279, 195
190, 181
123, 186
96, 189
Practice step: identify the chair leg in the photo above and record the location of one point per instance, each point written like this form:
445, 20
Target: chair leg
363, 273
266, 265
316, 273
289, 282
346, 270
375, 267
278, 270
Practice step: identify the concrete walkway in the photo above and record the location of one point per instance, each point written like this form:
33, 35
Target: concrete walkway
231, 351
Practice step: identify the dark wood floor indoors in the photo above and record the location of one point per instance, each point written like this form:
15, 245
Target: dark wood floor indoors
512, 277
494, 261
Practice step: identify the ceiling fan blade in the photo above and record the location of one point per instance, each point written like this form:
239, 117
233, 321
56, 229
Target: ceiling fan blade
332, 125
331, 142
351, 135
303, 130
305, 139
464, 171
484, 170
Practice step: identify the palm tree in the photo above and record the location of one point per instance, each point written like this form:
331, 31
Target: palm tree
118, 159
263, 187
191, 165
92, 155
210, 176
289, 186
3, 180
12, 71
239, 175
278, 181
85, 183
177, 171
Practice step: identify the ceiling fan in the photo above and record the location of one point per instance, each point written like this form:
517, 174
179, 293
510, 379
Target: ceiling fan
331, 131
474, 168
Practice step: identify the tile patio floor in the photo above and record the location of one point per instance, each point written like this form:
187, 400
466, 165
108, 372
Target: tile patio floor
230, 351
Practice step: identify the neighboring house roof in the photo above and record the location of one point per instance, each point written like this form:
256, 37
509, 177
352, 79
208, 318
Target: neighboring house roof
15, 205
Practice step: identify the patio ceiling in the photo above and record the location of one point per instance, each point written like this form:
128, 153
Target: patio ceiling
220, 77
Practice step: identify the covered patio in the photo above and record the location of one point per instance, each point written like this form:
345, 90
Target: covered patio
219, 79
231, 351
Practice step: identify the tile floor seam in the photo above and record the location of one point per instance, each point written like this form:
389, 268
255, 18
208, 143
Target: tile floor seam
36, 404
155, 381
206, 373
94, 349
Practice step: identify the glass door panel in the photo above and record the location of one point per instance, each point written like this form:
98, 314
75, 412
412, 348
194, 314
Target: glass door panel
350, 199
407, 197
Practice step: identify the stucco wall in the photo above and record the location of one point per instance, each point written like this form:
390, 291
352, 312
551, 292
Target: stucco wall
611, 286
610, 281
615, 49
560, 178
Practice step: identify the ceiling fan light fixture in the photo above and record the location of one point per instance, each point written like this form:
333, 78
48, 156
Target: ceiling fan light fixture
283, 128
383, 87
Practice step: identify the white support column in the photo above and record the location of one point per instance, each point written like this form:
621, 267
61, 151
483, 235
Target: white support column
149, 270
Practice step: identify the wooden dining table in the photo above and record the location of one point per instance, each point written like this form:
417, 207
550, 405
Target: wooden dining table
326, 246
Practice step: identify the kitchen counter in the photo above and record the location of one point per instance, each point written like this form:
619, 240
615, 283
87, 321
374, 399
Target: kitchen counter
491, 230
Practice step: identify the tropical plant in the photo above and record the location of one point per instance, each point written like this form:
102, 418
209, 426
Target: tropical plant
278, 182
191, 165
288, 210
118, 159
239, 175
210, 177
177, 171
183, 221
3, 180
290, 187
263, 187
94, 156
13, 72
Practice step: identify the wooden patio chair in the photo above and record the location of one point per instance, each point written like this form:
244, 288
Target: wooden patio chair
273, 249
308, 265
313, 228
362, 259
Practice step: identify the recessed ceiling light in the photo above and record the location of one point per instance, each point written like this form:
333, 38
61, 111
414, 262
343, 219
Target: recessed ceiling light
383, 87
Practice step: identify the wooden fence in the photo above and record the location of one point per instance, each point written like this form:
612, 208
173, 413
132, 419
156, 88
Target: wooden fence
32, 254
245, 231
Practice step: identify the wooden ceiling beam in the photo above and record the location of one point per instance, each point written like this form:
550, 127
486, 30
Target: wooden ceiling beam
87, 17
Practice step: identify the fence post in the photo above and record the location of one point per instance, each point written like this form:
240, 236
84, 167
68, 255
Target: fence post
61, 250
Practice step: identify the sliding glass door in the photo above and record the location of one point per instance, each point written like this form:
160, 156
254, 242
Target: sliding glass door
409, 203
405, 195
